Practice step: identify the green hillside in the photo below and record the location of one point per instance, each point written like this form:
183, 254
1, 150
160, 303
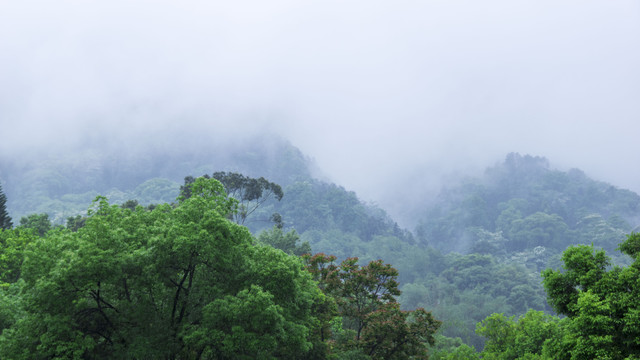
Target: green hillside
478, 250
524, 204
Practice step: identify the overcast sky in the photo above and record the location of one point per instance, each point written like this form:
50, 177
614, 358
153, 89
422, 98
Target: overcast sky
370, 89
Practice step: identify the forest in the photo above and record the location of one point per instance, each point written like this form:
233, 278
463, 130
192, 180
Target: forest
249, 253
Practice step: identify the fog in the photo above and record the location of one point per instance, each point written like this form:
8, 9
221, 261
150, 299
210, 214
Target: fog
386, 96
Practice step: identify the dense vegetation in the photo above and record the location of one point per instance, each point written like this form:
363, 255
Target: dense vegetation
182, 281
478, 250
522, 204
601, 307
501, 230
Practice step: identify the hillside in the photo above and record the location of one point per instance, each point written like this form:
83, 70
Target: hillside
523, 204
322, 212
478, 249
64, 184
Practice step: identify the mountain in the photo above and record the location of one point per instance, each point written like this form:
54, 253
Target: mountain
64, 183
478, 248
522, 204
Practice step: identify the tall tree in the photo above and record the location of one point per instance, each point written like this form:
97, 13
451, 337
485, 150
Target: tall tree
250, 193
5, 219
374, 325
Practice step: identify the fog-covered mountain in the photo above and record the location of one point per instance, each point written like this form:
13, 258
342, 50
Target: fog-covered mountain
478, 249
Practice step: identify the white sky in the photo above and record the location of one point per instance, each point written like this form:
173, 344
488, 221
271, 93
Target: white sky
375, 91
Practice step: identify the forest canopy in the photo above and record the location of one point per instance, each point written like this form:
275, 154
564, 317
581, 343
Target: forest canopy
183, 281
173, 282
478, 250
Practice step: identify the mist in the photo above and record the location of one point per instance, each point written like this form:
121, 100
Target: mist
386, 97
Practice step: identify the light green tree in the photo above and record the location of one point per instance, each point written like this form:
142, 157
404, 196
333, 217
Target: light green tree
178, 282
602, 303
523, 338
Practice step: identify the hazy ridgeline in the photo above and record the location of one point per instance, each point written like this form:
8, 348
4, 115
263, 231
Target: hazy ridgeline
478, 248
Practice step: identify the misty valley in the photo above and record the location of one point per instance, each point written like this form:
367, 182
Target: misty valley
248, 251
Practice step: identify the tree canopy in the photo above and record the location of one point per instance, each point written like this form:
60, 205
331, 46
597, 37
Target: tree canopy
249, 192
369, 323
173, 282
602, 303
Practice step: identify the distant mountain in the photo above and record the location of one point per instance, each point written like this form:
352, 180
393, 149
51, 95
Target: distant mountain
63, 184
523, 204
478, 249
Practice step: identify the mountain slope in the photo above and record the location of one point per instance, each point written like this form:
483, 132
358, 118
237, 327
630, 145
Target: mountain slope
522, 204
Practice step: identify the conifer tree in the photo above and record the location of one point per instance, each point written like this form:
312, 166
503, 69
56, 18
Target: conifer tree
5, 220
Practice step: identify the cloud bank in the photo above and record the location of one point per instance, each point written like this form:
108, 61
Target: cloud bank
386, 96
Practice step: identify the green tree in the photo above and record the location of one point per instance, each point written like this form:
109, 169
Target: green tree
602, 303
538, 229
452, 349
5, 219
130, 204
288, 242
39, 222
524, 338
363, 290
13, 243
371, 323
75, 222
250, 193
174, 282
395, 334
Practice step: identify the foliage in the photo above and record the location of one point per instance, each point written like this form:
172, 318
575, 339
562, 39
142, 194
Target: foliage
75, 222
602, 303
530, 205
506, 225
313, 205
524, 338
12, 247
522, 214
64, 186
288, 242
250, 192
465, 289
452, 349
173, 282
5, 219
372, 324
39, 222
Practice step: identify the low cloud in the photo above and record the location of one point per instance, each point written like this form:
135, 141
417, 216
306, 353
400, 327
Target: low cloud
376, 92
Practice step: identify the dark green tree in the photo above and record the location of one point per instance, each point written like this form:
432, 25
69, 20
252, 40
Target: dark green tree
75, 222
5, 219
370, 324
39, 222
250, 192
130, 204
288, 242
